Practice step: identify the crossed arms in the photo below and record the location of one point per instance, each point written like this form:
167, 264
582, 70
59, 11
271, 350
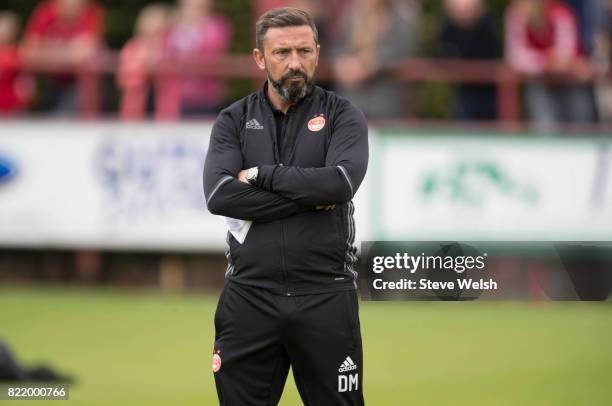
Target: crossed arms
282, 191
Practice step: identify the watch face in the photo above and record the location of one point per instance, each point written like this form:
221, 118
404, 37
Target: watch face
251, 174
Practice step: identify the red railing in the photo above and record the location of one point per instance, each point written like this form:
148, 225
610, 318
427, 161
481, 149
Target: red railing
241, 66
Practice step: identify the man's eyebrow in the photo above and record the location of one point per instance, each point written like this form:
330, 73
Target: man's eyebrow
288, 47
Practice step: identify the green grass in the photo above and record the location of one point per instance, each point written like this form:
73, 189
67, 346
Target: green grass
145, 348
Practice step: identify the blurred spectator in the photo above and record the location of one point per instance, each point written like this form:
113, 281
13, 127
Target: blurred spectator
140, 55
198, 35
469, 32
586, 17
65, 35
15, 87
602, 57
585, 12
542, 42
261, 6
373, 35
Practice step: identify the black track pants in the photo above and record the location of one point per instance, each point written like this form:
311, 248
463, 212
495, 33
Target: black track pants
259, 335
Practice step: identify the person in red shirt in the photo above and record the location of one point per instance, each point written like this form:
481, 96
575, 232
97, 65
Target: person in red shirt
63, 35
15, 86
543, 44
198, 35
139, 58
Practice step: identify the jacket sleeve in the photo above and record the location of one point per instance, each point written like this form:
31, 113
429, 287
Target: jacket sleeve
345, 166
225, 194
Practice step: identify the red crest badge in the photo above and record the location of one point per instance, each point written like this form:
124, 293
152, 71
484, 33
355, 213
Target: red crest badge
317, 123
216, 363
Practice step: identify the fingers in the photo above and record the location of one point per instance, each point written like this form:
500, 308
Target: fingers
242, 176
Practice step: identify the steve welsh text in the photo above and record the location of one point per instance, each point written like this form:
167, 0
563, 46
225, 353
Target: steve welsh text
426, 284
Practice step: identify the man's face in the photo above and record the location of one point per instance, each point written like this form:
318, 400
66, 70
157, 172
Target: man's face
196, 6
289, 57
9, 27
71, 9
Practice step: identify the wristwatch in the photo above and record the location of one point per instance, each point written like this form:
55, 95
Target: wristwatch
251, 175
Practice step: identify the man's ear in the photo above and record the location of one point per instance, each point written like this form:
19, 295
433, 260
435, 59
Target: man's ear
318, 52
258, 57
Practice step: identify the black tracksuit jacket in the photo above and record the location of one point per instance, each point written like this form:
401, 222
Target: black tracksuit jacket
291, 248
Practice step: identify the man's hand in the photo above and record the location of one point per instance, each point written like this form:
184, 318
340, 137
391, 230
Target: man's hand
242, 176
326, 208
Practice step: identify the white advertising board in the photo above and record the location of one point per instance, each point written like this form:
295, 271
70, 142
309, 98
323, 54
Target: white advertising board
106, 185
139, 186
491, 188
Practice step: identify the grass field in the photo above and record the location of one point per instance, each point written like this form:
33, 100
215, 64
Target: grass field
146, 348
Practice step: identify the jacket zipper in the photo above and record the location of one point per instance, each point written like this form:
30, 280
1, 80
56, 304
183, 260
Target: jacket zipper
287, 290
287, 287
282, 236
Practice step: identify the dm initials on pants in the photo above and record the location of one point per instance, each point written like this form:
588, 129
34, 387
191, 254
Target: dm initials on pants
347, 383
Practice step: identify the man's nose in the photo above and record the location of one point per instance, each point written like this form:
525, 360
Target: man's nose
294, 61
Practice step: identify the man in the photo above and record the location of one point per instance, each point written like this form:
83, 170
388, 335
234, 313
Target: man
66, 35
543, 44
289, 159
469, 31
16, 88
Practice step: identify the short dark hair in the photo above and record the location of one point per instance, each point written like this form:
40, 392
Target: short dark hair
282, 17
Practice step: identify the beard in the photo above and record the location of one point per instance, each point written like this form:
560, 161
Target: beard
291, 91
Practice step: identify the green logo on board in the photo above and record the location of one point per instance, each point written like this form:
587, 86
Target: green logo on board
471, 183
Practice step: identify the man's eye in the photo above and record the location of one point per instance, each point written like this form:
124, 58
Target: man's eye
306, 51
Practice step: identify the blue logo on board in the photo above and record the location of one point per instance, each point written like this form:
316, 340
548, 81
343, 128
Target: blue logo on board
7, 169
